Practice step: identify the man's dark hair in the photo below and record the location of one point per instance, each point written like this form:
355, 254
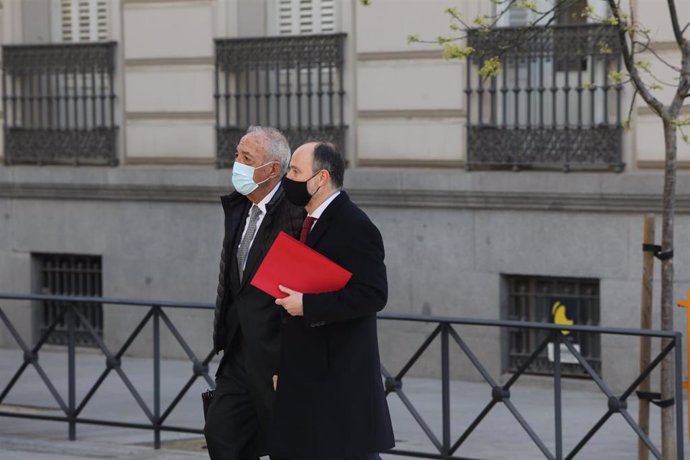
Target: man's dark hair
327, 157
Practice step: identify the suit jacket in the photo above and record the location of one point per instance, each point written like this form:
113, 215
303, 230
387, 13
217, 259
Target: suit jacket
242, 310
330, 400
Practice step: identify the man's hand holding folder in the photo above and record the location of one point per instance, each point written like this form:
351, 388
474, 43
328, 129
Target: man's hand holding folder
297, 267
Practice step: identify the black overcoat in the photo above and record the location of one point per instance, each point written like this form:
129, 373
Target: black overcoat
240, 307
330, 400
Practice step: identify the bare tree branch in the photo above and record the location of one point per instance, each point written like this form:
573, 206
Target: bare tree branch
684, 80
632, 104
648, 48
674, 23
654, 103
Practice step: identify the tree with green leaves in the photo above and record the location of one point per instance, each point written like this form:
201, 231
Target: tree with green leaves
636, 46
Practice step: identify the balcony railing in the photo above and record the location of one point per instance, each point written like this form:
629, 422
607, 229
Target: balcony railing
292, 83
553, 103
58, 104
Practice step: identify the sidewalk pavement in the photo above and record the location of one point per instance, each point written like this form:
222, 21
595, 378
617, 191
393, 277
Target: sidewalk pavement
499, 436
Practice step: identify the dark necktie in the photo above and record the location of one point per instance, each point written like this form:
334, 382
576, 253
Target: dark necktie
243, 250
306, 226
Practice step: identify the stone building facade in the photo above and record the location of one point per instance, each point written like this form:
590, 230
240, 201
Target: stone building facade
495, 197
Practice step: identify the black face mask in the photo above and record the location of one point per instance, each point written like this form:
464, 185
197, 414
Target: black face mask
296, 192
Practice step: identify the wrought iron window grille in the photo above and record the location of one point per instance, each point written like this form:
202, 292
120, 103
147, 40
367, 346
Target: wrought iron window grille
74, 275
294, 83
534, 299
552, 105
59, 104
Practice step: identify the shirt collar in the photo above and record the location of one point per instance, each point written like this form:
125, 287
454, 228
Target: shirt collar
262, 204
318, 211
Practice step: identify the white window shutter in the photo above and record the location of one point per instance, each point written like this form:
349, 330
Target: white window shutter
327, 19
83, 20
518, 17
522, 17
66, 15
102, 20
306, 16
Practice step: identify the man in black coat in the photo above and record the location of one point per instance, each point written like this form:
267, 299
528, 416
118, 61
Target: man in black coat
330, 401
247, 324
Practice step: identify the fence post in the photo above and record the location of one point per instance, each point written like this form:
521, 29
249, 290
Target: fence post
71, 372
558, 412
678, 398
156, 378
445, 388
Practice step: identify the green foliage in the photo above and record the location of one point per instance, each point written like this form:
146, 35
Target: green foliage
588, 12
604, 48
365, 2
452, 12
612, 21
644, 65
481, 21
412, 38
617, 77
526, 4
454, 51
491, 67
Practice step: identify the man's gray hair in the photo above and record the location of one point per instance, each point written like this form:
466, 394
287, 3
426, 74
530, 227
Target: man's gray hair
278, 148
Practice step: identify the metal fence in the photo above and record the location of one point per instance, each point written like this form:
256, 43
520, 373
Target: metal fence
294, 83
445, 330
616, 404
70, 314
552, 105
58, 103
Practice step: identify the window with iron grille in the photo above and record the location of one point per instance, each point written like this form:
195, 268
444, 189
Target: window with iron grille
552, 103
539, 299
73, 275
294, 83
59, 103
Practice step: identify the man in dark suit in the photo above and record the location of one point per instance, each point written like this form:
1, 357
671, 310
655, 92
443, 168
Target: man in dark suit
247, 324
330, 401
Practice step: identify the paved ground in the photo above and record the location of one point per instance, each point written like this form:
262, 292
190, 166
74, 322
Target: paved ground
498, 437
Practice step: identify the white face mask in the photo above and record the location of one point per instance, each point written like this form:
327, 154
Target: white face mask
243, 177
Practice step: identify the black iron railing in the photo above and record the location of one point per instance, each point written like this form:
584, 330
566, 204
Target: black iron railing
553, 104
71, 313
293, 83
58, 104
615, 404
446, 446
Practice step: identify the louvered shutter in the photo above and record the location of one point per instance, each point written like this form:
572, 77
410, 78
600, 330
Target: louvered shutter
518, 17
83, 20
297, 17
522, 17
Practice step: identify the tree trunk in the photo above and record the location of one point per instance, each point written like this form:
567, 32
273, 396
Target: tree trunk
667, 367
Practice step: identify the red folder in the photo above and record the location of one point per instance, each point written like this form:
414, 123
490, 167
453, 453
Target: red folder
297, 266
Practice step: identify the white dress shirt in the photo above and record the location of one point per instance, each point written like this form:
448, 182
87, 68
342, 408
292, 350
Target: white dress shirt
322, 207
